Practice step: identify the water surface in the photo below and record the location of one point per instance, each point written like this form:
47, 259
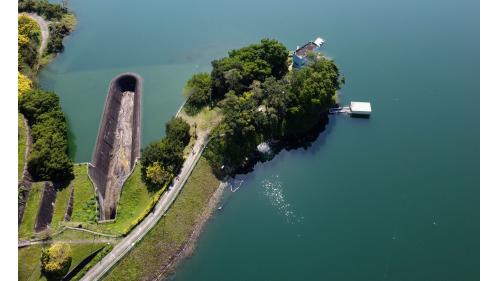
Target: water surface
394, 197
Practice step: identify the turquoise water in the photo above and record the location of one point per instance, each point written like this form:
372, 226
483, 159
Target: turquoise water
394, 197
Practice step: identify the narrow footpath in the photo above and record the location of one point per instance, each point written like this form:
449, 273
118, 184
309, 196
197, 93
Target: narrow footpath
44, 27
125, 245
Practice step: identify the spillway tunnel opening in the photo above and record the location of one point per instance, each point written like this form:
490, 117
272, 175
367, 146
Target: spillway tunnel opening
118, 142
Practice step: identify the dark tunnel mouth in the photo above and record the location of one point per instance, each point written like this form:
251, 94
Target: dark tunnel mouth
127, 82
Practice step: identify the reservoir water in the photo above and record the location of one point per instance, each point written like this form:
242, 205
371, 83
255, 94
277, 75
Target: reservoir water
393, 197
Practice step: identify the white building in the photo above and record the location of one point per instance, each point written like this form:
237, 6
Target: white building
360, 108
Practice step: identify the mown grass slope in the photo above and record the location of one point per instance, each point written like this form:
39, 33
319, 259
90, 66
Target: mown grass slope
28, 221
84, 200
60, 207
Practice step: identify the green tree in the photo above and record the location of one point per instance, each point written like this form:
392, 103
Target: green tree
158, 175
198, 91
56, 261
167, 153
178, 130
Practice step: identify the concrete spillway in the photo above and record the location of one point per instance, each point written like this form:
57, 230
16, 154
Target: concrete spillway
118, 143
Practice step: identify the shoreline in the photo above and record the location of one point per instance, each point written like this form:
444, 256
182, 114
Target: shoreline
188, 248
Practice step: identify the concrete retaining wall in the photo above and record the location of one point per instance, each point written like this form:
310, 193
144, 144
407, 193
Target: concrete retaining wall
99, 168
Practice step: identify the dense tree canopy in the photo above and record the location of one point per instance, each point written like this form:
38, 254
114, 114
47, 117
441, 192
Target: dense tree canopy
254, 62
178, 130
56, 261
261, 101
48, 10
162, 159
198, 92
48, 159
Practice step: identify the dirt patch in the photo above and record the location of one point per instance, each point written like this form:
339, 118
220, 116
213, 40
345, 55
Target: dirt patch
44, 217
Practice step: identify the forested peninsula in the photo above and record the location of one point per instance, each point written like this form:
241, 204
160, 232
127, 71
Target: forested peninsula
263, 99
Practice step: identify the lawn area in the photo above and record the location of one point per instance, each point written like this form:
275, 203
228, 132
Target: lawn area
29, 259
27, 226
60, 206
205, 120
172, 231
84, 200
22, 135
135, 202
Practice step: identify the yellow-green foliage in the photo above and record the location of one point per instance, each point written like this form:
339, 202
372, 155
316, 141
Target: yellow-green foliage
23, 84
28, 41
69, 20
28, 27
56, 260
157, 174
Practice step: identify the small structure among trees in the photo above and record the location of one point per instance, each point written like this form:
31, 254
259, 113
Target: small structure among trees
301, 55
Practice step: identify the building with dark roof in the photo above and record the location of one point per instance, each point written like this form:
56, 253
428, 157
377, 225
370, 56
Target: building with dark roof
300, 55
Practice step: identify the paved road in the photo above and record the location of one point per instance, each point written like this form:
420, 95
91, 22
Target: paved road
125, 245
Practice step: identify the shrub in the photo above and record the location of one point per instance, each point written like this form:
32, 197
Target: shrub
24, 84
28, 42
56, 261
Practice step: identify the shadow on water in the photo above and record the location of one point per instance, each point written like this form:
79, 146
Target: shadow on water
316, 135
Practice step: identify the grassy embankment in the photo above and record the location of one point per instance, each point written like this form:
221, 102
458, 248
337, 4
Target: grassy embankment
29, 259
172, 231
22, 135
135, 202
27, 226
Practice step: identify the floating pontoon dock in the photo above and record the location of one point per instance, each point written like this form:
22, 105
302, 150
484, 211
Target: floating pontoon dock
355, 109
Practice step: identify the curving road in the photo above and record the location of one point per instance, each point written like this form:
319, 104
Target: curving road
44, 27
125, 245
